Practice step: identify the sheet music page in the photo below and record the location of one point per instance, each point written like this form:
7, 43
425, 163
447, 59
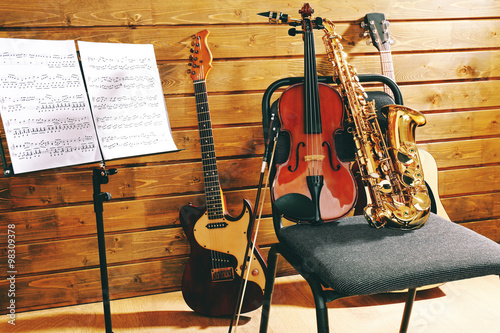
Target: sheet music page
44, 105
127, 99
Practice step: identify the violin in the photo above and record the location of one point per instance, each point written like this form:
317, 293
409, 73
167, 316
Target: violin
313, 184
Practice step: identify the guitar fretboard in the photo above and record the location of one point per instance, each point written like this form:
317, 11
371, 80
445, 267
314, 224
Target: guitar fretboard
387, 68
210, 175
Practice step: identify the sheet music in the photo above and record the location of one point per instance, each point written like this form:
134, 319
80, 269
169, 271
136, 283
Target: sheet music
127, 100
44, 105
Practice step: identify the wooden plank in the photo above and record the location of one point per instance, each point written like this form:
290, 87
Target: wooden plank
238, 107
456, 95
472, 152
469, 181
460, 125
53, 256
487, 228
48, 13
83, 286
229, 141
68, 288
257, 74
46, 190
131, 13
473, 207
125, 247
250, 41
209, 13
119, 216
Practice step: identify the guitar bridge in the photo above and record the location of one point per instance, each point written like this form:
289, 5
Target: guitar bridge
222, 274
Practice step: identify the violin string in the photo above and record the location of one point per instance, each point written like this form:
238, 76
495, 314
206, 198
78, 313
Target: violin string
310, 97
313, 102
317, 109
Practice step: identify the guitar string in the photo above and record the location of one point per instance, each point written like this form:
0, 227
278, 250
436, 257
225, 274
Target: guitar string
202, 108
217, 209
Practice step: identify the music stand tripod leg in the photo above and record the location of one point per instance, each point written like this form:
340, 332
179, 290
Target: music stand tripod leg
100, 176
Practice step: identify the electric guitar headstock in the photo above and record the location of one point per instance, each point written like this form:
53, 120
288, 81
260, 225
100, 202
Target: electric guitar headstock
200, 60
377, 27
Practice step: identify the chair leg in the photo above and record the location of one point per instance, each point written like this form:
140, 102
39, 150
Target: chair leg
320, 303
272, 260
407, 312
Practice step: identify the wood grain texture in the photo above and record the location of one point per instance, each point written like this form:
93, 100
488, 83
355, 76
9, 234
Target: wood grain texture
172, 43
460, 306
445, 55
131, 13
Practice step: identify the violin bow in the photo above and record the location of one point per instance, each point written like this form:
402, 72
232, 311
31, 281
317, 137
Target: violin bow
237, 311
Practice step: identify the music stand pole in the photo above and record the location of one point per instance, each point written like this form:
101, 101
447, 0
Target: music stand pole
100, 176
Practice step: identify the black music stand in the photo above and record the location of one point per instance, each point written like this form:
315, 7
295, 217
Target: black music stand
101, 176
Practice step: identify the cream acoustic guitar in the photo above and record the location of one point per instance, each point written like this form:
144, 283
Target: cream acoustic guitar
377, 27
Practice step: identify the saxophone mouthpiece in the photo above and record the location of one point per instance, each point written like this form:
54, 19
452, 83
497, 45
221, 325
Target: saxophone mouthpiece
280, 18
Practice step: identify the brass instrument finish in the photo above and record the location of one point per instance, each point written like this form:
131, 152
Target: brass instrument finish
390, 165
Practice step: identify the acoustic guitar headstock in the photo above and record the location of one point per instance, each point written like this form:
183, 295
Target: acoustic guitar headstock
378, 28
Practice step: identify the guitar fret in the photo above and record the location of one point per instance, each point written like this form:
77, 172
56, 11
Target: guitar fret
210, 174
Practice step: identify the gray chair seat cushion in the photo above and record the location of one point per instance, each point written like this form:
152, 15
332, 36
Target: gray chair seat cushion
355, 259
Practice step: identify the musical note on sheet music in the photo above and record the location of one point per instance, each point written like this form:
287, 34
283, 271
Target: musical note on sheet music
44, 105
38, 59
126, 98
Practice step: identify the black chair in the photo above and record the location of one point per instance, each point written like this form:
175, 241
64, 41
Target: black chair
349, 258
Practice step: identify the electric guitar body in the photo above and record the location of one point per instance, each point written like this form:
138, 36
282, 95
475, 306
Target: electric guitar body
213, 273
212, 278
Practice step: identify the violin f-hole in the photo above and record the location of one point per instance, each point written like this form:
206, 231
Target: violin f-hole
330, 158
296, 157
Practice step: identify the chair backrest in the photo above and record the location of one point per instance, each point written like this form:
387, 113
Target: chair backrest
344, 144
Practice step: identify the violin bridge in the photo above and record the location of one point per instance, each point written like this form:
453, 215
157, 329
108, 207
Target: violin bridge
309, 158
222, 274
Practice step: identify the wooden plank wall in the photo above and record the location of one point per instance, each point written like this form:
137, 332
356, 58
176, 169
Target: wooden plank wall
446, 55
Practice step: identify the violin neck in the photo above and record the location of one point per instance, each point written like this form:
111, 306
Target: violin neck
312, 114
213, 192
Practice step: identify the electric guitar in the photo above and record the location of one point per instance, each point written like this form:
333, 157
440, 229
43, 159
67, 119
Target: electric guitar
377, 27
212, 276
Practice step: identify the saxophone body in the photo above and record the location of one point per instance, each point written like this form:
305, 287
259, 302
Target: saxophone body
389, 163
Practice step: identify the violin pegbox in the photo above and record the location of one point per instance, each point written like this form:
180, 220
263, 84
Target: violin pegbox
200, 59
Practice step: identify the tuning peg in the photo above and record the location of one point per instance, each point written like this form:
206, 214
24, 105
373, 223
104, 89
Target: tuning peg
318, 23
280, 18
293, 32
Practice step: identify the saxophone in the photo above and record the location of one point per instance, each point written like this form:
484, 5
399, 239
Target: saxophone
389, 165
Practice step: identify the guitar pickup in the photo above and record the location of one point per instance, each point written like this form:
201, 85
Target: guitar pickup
222, 274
